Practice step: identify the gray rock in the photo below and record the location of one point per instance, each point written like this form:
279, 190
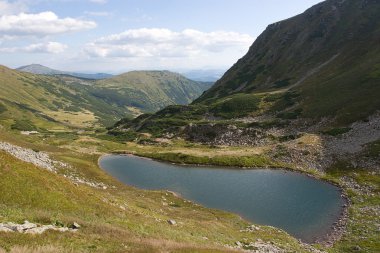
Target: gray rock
172, 222
5, 229
74, 226
27, 225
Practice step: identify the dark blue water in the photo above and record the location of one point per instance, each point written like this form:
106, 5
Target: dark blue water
304, 207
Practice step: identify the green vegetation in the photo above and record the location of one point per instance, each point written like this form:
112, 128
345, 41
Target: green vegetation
373, 149
236, 106
24, 125
79, 103
337, 131
3, 108
149, 90
361, 232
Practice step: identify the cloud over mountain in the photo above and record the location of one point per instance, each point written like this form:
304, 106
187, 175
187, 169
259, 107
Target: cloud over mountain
163, 43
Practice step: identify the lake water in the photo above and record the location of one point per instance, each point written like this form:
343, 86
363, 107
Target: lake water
304, 207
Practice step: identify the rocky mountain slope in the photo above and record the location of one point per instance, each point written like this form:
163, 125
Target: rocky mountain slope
327, 59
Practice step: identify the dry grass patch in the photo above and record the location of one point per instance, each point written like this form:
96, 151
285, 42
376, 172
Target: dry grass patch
39, 249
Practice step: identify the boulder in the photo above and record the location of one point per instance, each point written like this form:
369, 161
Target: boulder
172, 222
74, 226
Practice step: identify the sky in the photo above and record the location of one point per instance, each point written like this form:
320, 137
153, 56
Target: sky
115, 36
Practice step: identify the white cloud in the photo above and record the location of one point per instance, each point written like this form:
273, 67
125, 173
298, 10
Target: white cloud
165, 43
99, 1
40, 24
98, 13
7, 8
49, 48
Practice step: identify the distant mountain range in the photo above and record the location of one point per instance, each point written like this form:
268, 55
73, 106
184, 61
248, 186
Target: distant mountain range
43, 70
56, 96
200, 75
204, 75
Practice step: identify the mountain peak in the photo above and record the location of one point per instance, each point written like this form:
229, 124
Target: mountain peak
39, 69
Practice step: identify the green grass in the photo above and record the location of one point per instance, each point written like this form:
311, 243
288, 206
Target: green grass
3, 108
23, 125
149, 90
361, 229
337, 131
236, 106
373, 149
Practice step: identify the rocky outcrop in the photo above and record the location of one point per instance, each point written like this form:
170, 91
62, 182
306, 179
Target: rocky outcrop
31, 228
42, 160
225, 135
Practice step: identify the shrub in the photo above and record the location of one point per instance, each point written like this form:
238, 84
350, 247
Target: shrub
24, 125
3, 108
337, 131
237, 106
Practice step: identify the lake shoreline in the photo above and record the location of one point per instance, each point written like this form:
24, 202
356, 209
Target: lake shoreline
334, 233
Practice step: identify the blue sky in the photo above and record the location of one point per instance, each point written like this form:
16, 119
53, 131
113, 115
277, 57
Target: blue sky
120, 35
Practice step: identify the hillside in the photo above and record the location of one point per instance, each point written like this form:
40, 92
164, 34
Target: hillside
43, 70
328, 58
150, 90
53, 101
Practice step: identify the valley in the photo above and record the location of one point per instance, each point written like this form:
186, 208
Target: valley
297, 115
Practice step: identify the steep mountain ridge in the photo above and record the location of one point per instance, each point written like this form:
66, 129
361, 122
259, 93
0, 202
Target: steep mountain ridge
290, 51
329, 56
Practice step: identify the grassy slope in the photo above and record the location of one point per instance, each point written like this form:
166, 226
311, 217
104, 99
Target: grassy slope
84, 103
151, 90
50, 99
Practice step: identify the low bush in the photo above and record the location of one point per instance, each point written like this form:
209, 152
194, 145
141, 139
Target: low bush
24, 125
